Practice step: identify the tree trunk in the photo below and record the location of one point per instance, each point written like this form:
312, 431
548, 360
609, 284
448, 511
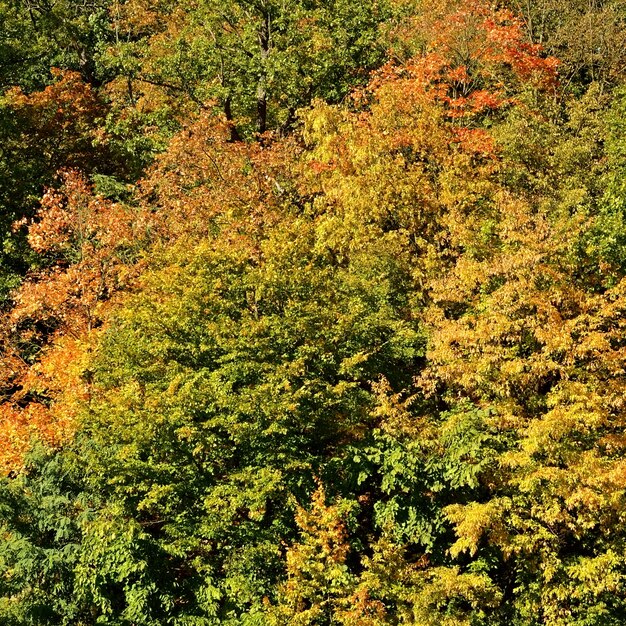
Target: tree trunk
228, 112
261, 90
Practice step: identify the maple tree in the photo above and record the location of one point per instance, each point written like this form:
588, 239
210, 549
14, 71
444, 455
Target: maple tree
91, 246
58, 127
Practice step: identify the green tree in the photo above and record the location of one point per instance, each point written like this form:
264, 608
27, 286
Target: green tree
260, 60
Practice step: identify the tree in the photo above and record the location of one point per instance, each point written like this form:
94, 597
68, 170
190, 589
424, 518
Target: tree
44, 132
260, 60
92, 251
588, 38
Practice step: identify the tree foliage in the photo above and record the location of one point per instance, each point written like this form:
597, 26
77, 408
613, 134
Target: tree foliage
341, 341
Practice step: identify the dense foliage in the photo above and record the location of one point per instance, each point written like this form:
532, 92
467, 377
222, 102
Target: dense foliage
313, 312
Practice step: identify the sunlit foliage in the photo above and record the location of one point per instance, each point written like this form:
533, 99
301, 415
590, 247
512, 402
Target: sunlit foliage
316, 316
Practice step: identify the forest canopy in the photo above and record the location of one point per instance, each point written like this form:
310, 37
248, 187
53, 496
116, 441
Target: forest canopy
313, 313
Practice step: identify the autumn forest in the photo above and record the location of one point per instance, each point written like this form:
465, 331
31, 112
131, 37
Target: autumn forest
312, 312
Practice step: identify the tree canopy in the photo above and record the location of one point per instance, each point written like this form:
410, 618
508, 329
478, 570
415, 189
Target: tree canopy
313, 313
